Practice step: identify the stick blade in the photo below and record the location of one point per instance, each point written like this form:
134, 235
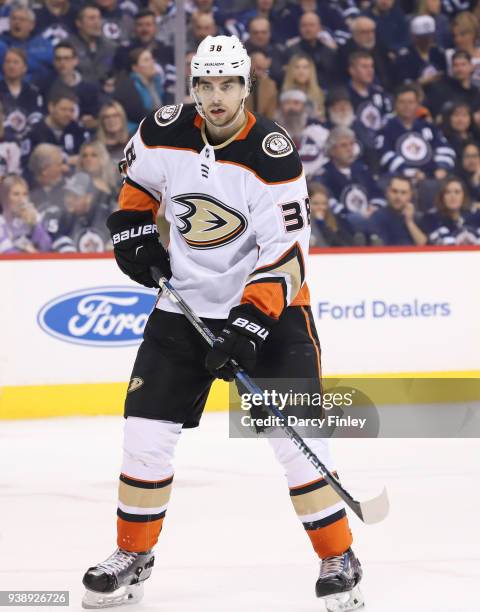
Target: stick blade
376, 509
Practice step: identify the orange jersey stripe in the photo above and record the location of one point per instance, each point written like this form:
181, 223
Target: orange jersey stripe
133, 199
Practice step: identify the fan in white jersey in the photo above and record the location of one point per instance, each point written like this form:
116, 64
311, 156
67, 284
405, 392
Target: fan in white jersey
236, 200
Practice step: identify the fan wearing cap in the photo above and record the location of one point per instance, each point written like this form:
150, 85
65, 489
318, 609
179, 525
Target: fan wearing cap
79, 225
308, 134
236, 199
423, 60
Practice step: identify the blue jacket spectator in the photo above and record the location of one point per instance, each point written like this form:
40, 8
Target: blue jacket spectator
452, 222
412, 146
39, 50
54, 20
4, 17
309, 135
397, 223
371, 104
340, 113
422, 61
392, 26
117, 19
69, 80
78, 225
59, 127
353, 191
22, 103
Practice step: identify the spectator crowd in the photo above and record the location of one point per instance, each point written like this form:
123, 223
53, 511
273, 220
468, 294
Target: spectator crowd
381, 97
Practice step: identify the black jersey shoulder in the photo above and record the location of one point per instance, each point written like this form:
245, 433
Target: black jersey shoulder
172, 126
267, 150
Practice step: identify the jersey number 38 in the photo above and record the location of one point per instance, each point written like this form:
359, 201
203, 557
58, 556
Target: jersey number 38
293, 218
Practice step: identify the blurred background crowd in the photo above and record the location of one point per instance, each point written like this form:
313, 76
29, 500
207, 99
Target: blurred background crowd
381, 97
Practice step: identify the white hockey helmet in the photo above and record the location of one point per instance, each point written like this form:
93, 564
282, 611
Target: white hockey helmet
220, 56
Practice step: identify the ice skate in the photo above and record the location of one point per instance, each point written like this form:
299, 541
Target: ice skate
338, 581
118, 580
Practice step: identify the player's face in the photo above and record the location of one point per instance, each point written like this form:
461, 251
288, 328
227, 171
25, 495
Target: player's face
220, 98
399, 194
453, 196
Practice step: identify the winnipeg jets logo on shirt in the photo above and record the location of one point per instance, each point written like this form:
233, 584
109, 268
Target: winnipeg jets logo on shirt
414, 148
207, 223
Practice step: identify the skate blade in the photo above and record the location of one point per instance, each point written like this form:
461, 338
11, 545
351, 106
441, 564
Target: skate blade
124, 595
344, 602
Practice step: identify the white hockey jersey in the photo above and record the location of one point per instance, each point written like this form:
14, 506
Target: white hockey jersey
238, 212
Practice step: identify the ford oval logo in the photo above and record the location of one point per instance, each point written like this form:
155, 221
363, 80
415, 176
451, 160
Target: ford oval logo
102, 316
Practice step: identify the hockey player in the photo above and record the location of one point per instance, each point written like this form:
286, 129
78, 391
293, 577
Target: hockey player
236, 200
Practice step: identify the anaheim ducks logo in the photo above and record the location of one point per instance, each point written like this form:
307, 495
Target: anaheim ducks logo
206, 222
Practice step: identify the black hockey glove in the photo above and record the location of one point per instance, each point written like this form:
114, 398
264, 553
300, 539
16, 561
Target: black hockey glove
136, 245
241, 339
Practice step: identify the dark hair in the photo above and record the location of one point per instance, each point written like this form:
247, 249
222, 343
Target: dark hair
358, 55
144, 13
57, 96
85, 7
407, 88
439, 200
399, 177
135, 54
66, 45
461, 55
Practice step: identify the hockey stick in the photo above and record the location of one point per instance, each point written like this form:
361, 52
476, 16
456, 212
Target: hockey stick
370, 511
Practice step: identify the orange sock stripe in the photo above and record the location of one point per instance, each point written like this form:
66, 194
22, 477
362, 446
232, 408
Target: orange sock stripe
138, 537
332, 540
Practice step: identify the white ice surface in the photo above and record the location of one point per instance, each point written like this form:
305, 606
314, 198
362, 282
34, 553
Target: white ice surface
231, 541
